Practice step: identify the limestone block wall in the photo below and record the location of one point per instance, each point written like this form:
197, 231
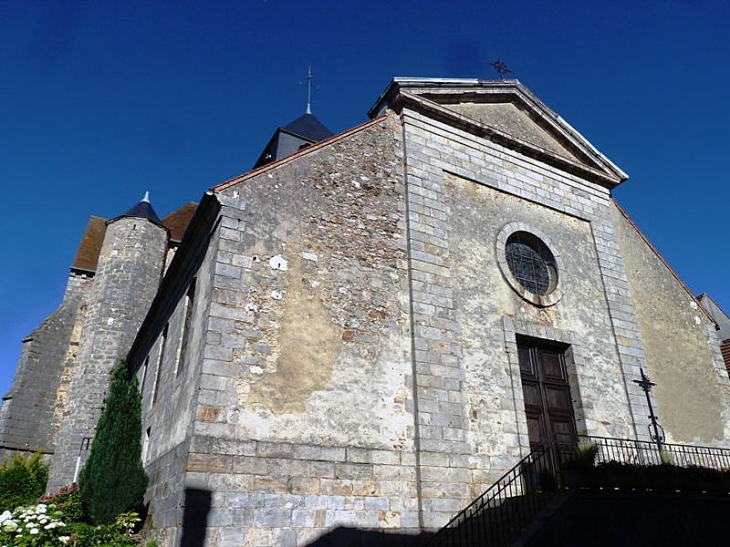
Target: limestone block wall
305, 410
170, 382
681, 345
127, 277
461, 190
486, 307
31, 410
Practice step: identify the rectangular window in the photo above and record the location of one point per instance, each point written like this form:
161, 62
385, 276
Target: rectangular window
146, 444
187, 314
160, 357
144, 373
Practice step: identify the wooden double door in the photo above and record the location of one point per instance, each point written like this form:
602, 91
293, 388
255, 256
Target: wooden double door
548, 404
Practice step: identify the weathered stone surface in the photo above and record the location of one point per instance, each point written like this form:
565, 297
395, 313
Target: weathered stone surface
128, 273
683, 358
33, 408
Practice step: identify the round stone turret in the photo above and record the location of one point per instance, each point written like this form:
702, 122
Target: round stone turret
128, 274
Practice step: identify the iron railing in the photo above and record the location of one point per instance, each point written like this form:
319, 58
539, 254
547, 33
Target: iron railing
509, 505
652, 453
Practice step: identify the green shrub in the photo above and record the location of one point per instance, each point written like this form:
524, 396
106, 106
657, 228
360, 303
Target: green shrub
68, 502
85, 535
113, 480
126, 523
22, 482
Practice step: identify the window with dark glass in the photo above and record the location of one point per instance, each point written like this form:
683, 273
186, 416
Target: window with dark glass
531, 263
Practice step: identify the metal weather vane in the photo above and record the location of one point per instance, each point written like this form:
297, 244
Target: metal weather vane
500, 67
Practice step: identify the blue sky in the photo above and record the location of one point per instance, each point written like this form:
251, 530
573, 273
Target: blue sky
101, 101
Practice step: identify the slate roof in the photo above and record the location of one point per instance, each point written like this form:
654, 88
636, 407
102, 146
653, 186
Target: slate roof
263, 167
308, 127
143, 209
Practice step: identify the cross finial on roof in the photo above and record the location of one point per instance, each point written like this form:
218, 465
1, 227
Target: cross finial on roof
146, 197
500, 67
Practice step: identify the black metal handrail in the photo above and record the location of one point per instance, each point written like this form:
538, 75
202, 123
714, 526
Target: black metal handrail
509, 505
651, 453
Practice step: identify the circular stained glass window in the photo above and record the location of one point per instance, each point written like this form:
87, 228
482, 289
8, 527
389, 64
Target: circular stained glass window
531, 263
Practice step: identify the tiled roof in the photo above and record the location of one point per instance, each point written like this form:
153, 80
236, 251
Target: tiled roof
177, 221
87, 254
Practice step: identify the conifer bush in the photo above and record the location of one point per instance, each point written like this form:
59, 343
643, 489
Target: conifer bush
113, 480
22, 482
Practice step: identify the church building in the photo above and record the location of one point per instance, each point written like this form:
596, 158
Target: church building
368, 329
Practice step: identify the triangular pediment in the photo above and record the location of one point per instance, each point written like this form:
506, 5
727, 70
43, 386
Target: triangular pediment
503, 111
512, 120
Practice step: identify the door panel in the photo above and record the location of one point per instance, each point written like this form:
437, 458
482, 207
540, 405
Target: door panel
557, 398
525, 361
533, 398
552, 366
548, 405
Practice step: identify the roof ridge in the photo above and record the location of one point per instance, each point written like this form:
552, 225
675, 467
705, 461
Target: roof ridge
316, 146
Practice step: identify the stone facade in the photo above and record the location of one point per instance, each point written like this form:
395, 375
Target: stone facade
681, 345
126, 280
32, 410
337, 342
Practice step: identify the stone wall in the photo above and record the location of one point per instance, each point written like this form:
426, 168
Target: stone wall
681, 345
485, 304
170, 390
166, 494
461, 190
357, 349
31, 410
305, 420
127, 277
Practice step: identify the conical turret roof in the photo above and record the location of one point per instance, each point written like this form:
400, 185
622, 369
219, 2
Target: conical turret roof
143, 209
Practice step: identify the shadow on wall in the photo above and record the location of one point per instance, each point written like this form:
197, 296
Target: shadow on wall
195, 517
353, 537
195, 520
